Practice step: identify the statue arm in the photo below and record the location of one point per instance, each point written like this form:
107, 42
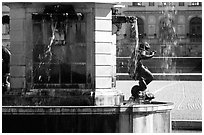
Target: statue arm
146, 56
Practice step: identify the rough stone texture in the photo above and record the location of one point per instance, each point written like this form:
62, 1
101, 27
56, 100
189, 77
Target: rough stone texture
50, 97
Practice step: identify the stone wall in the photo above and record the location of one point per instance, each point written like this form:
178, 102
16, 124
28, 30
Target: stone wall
101, 50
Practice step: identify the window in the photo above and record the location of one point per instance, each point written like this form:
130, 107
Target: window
151, 25
196, 29
180, 29
137, 4
181, 3
60, 62
151, 3
151, 30
196, 3
181, 25
164, 4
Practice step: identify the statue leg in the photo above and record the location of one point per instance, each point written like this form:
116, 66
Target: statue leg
145, 78
142, 84
147, 75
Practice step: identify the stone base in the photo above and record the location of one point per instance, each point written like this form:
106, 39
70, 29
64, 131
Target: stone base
108, 97
127, 118
63, 97
50, 97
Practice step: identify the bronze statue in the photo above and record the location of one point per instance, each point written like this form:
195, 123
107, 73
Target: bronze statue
139, 72
5, 69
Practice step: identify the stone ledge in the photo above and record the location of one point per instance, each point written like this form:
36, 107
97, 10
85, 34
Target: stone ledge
56, 110
78, 110
154, 106
50, 97
187, 125
99, 119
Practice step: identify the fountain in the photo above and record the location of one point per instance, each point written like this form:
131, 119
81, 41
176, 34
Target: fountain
168, 39
67, 83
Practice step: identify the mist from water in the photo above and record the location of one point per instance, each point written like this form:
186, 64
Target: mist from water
168, 39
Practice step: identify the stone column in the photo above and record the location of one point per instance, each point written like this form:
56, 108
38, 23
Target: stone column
21, 45
17, 47
105, 57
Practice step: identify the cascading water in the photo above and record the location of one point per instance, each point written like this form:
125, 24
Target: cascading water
48, 54
168, 39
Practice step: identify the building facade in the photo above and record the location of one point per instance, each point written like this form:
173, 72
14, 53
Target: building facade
59, 47
186, 21
185, 55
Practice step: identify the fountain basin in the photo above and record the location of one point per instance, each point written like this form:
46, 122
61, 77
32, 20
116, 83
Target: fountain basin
128, 118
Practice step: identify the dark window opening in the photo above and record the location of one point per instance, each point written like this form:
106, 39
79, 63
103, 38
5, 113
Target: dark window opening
151, 3
181, 3
196, 29
59, 60
137, 4
196, 3
165, 4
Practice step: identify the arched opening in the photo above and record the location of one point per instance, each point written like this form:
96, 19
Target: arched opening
195, 29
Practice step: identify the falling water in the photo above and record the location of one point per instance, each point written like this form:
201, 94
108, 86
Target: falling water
168, 39
46, 58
